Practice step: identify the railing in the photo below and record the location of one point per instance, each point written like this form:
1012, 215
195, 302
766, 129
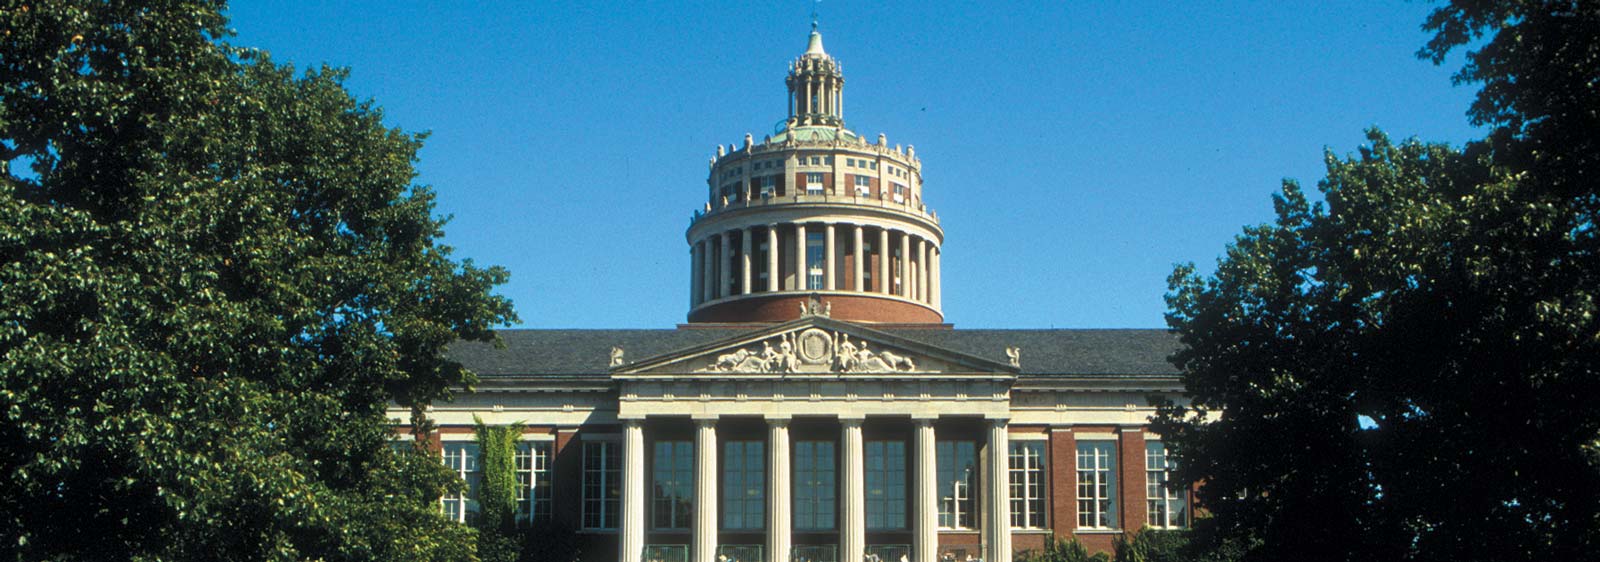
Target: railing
910, 206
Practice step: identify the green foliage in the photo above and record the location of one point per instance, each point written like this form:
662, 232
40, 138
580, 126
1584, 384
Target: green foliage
1152, 545
215, 276
497, 497
1068, 550
1406, 372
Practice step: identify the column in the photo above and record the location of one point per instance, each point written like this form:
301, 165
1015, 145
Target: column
884, 282
935, 287
772, 258
997, 496
704, 548
779, 508
800, 257
828, 263
856, 275
724, 265
905, 264
922, 274
853, 520
633, 504
708, 275
744, 258
925, 504
694, 274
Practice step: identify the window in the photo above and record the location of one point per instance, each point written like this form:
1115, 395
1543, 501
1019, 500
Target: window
743, 492
462, 458
956, 461
873, 165
1165, 507
816, 160
850, 162
816, 261
533, 481
739, 553
814, 183
899, 193
674, 484
886, 485
1097, 484
1027, 484
863, 186
813, 485
602, 484
769, 185
828, 160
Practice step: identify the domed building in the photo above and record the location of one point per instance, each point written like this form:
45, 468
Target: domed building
816, 406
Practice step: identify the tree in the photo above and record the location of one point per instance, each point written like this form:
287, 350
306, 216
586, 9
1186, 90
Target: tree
1405, 372
215, 276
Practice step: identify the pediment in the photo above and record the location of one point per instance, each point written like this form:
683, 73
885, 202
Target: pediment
815, 346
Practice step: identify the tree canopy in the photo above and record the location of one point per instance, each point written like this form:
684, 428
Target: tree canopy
216, 273
1407, 370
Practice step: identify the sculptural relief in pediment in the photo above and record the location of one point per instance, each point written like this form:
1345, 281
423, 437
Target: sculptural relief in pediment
813, 350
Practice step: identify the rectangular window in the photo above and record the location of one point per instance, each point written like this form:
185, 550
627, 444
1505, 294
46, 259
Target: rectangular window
674, 484
816, 261
874, 165
769, 185
816, 160
602, 484
1165, 508
814, 183
461, 457
744, 476
899, 193
533, 481
886, 485
1027, 484
863, 186
850, 162
813, 485
1097, 484
957, 465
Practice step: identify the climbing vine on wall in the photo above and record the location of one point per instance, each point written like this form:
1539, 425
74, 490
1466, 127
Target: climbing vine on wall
497, 495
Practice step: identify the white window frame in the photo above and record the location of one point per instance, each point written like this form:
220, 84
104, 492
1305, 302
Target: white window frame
899, 193
464, 462
814, 185
1027, 461
609, 508
863, 186
1097, 510
769, 186
534, 479
1158, 497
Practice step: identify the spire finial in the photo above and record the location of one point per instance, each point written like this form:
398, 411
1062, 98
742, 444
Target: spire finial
814, 4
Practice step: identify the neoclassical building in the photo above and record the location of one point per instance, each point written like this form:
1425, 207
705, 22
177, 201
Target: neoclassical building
816, 407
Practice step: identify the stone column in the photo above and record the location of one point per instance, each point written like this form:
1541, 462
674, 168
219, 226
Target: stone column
885, 285
779, 505
772, 258
922, 272
905, 264
997, 496
925, 504
853, 520
694, 274
800, 257
828, 263
856, 275
724, 265
705, 491
935, 287
633, 503
744, 259
708, 276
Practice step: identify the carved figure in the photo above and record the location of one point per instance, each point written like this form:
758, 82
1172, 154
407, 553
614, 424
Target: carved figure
804, 310
731, 360
787, 358
1015, 355
881, 362
827, 309
845, 359
616, 356
896, 362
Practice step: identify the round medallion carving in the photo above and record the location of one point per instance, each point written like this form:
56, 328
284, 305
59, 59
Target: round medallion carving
816, 347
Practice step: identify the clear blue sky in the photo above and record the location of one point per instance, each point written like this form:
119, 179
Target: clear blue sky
1073, 150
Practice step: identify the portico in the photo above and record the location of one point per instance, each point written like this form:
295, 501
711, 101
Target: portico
839, 477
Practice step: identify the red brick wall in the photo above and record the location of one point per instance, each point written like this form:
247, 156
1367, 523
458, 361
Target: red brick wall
567, 461
787, 307
1063, 464
1131, 478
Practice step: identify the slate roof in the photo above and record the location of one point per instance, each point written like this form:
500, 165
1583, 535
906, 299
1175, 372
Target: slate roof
1044, 352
